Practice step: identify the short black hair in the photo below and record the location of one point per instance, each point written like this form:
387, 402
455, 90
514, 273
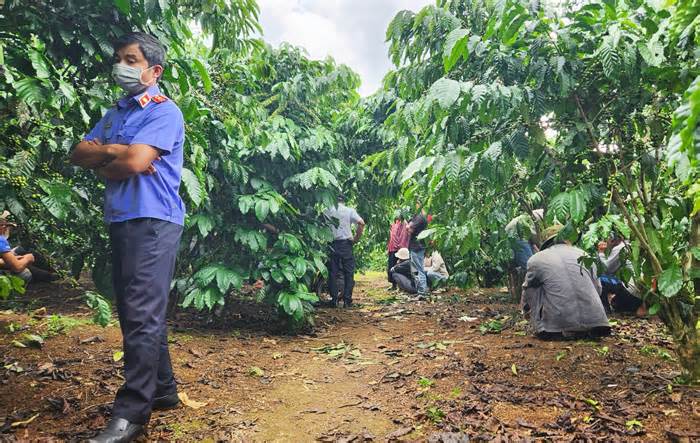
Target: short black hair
152, 49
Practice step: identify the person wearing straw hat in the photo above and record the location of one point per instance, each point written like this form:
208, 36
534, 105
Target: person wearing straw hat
561, 295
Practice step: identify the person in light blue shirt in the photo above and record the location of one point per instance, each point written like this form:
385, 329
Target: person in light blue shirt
137, 148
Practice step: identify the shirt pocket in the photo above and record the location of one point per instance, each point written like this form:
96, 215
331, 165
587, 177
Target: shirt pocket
127, 134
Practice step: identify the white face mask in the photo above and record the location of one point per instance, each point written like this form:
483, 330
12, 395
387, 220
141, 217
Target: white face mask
129, 78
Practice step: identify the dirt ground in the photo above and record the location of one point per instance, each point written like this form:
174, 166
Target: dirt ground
458, 366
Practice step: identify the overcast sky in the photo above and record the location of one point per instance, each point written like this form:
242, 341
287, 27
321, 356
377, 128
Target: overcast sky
350, 31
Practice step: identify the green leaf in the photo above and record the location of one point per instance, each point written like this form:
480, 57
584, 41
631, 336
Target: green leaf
654, 309
510, 35
124, 6
29, 90
696, 252
262, 209
203, 74
577, 205
652, 52
226, 278
192, 186
455, 47
559, 205
117, 356
671, 281
445, 91
204, 224
40, 64
18, 285
426, 233
102, 310
419, 164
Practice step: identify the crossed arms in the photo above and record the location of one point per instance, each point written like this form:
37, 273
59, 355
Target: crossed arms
113, 161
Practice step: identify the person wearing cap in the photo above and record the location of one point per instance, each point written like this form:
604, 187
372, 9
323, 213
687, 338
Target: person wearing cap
341, 218
137, 147
401, 271
10, 261
398, 238
561, 295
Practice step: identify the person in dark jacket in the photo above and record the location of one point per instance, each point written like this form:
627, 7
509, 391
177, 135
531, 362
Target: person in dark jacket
401, 272
416, 247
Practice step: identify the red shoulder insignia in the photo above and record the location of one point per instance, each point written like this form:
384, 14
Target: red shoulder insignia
145, 98
159, 98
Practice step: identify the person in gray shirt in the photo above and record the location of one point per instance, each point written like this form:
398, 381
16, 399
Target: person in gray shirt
561, 294
341, 218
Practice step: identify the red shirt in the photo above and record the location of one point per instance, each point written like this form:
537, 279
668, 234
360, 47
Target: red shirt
398, 237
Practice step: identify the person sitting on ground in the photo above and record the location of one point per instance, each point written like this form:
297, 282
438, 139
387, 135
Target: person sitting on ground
401, 272
17, 261
616, 296
17, 265
435, 269
561, 295
398, 238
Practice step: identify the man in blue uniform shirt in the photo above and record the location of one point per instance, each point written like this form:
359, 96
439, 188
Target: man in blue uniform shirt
137, 148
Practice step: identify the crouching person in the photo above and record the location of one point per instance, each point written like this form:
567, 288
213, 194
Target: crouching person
401, 272
561, 295
12, 262
18, 261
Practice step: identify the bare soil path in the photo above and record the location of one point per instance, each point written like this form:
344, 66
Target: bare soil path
391, 369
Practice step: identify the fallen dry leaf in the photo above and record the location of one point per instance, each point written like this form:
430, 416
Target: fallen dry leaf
190, 403
399, 433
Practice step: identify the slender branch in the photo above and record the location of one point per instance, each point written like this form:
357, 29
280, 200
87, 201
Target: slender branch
656, 264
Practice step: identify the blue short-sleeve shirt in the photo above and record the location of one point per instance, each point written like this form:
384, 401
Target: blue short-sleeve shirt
4, 245
151, 119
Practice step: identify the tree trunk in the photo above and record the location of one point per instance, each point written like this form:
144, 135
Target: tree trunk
688, 351
682, 323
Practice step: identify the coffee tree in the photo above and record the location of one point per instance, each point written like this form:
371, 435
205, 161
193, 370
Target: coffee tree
260, 153
586, 110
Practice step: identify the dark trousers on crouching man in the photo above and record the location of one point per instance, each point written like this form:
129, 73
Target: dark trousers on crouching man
342, 261
143, 262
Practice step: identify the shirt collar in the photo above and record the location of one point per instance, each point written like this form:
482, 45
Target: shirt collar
141, 99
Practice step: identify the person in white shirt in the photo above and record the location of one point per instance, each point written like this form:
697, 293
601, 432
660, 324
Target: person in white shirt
341, 218
435, 268
616, 295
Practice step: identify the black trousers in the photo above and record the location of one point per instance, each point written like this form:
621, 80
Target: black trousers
391, 263
342, 260
143, 262
624, 301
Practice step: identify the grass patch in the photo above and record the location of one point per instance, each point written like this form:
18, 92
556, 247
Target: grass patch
59, 324
181, 430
